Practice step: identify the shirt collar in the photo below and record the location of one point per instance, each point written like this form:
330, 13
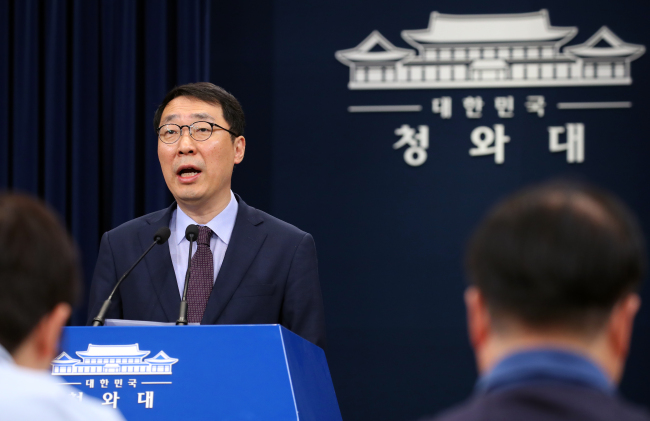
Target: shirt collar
5, 356
542, 365
222, 224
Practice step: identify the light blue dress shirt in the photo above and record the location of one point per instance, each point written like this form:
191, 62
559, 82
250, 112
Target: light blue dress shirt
28, 394
221, 226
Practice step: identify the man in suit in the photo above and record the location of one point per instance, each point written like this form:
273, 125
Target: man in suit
554, 272
247, 268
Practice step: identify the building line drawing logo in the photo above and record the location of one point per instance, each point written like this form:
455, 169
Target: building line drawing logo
112, 360
490, 51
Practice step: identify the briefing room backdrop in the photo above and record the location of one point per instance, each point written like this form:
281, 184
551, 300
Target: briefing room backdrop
386, 129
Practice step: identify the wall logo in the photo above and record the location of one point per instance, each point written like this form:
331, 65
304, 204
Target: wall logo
112, 360
490, 51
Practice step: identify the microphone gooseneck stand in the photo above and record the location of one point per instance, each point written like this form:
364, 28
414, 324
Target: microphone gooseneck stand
192, 234
160, 237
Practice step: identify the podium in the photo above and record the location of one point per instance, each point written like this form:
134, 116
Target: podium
239, 372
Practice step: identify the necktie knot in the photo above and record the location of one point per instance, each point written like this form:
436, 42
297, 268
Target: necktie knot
204, 236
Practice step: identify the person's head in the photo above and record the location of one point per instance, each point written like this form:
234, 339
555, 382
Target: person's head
555, 265
39, 280
198, 171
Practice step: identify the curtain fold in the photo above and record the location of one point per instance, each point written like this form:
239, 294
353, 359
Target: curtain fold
56, 127
6, 88
26, 107
79, 83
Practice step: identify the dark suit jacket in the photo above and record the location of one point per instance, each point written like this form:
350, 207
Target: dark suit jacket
269, 275
550, 401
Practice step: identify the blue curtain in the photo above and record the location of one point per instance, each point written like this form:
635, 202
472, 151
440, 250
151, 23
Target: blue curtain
79, 83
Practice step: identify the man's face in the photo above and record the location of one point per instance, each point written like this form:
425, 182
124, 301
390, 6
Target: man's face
198, 173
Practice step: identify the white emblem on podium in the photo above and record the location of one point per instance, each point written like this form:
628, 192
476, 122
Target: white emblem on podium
112, 360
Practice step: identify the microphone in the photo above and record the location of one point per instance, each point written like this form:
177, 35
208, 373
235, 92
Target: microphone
192, 234
160, 237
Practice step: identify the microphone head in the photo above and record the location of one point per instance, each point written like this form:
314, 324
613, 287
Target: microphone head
162, 235
192, 232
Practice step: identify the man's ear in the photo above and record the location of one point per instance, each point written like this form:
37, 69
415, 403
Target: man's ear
478, 318
48, 333
620, 324
240, 149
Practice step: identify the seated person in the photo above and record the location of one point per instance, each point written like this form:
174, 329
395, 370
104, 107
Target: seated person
39, 283
554, 273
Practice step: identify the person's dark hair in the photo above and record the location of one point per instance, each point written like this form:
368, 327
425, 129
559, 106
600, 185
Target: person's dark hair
559, 254
212, 94
38, 267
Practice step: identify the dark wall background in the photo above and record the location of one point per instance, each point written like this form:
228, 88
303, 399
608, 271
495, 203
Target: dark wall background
390, 237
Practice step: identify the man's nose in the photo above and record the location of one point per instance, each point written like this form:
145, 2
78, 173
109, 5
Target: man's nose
186, 144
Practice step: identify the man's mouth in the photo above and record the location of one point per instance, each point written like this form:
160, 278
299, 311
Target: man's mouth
188, 172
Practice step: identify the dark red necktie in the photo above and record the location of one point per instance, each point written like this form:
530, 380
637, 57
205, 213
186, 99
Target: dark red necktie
201, 277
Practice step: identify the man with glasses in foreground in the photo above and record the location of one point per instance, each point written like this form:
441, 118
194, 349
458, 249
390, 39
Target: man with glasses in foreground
248, 267
554, 273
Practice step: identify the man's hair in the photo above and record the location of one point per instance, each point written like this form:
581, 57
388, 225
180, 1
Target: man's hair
557, 255
212, 94
38, 267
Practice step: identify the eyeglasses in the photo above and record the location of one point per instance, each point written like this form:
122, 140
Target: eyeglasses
199, 130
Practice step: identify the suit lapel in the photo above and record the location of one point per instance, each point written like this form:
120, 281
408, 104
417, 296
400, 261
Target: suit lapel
159, 265
245, 242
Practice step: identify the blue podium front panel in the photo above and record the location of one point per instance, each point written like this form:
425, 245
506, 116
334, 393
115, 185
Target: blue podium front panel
197, 372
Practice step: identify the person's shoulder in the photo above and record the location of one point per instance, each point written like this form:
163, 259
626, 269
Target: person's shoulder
591, 403
553, 402
27, 394
469, 410
130, 227
269, 222
633, 412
